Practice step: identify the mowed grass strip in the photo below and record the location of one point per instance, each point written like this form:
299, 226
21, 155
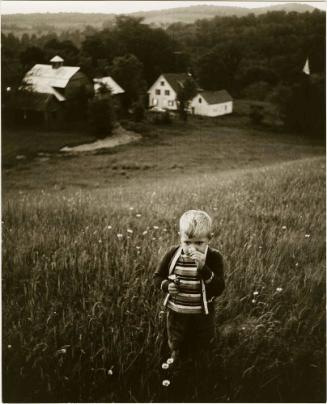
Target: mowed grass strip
81, 318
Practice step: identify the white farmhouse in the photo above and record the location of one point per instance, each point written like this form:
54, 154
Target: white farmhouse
212, 103
163, 92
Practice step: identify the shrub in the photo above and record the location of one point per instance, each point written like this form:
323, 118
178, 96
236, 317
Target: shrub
101, 116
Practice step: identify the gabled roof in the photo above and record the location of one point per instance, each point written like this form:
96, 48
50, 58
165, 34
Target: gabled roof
176, 80
110, 82
34, 84
57, 59
46, 74
216, 97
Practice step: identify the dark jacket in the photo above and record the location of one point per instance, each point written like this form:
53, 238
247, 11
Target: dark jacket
213, 264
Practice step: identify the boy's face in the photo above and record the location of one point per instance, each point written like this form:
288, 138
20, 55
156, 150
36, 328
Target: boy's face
196, 243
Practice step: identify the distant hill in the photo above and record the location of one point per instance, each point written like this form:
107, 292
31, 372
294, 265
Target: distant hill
48, 22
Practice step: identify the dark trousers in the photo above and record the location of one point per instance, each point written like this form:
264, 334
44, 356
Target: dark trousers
189, 334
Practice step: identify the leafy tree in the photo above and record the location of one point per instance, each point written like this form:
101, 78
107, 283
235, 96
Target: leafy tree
31, 56
184, 95
127, 71
101, 116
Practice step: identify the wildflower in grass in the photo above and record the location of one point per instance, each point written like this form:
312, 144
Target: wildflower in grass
138, 247
109, 227
119, 235
130, 231
254, 301
166, 383
279, 289
145, 232
9, 346
296, 264
307, 235
255, 293
131, 208
110, 372
161, 314
138, 215
100, 241
156, 227
260, 247
165, 366
284, 227
165, 229
243, 328
170, 361
62, 351
153, 238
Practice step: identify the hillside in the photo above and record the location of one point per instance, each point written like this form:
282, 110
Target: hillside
47, 22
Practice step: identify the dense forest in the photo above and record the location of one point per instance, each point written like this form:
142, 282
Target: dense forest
257, 57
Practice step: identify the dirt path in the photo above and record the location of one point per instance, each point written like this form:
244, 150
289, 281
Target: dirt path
120, 136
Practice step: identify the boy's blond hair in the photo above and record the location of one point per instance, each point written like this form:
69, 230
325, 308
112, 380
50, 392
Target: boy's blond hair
195, 223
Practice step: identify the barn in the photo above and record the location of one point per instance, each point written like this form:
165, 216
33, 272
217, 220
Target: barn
212, 103
50, 89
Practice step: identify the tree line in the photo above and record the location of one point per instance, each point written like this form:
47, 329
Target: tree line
257, 57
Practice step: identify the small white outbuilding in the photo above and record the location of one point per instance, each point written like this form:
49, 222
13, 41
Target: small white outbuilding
212, 103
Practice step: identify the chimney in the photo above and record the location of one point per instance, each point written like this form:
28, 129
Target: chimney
56, 62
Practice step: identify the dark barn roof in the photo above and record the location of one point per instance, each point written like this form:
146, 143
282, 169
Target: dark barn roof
216, 97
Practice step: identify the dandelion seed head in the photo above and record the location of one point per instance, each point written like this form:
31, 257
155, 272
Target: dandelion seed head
166, 383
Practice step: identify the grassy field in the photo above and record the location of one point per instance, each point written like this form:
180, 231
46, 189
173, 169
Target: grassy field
80, 315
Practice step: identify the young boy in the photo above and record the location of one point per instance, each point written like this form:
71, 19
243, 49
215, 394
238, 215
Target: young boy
191, 276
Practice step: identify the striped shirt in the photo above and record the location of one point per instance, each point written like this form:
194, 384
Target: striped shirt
188, 300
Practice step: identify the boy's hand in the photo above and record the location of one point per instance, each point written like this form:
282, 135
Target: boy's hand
199, 258
172, 288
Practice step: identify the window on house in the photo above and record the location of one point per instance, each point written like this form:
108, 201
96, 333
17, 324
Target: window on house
200, 100
155, 102
170, 103
225, 107
162, 83
167, 92
157, 92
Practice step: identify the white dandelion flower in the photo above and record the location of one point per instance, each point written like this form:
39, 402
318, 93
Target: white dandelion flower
279, 289
165, 366
284, 227
119, 235
307, 235
170, 361
166, 383
255, 293
129, 231
145, 232
254, 301
138, 215
156, 227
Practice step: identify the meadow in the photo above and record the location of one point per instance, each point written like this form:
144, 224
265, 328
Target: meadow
81, 319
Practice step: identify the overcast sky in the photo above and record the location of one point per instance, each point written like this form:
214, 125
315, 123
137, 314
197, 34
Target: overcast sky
119, 7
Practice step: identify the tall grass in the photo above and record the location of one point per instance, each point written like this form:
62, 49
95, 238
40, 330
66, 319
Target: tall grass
81, 317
